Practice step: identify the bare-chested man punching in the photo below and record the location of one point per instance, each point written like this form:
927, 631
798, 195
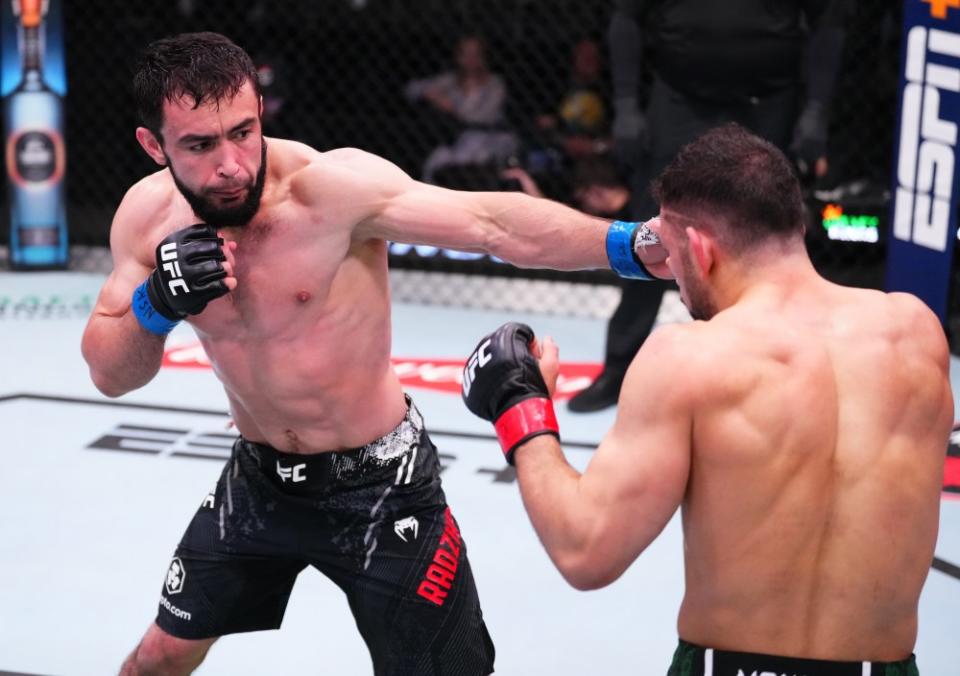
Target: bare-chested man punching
285, 282
801, 426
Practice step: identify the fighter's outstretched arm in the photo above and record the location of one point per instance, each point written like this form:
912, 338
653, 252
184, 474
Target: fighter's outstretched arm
526, 231
593, 525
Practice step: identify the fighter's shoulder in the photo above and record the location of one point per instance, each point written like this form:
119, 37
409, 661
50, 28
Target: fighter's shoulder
143, 200
343, 171
671, 363
916, 322
146, 207
711, 349
908, 307
674, 345
894, 312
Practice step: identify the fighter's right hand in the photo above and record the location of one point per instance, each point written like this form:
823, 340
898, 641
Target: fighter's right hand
189, 274
502, 383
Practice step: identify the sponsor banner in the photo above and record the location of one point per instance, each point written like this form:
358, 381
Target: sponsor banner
46, 306
32, 88
925, 181
54, 62
443, 375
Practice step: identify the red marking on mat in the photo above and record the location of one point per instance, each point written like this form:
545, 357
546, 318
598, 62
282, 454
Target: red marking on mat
442, 572
951, 474
951, 469
443, 375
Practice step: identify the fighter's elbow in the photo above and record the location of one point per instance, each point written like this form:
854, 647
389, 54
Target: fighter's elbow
585, 572
104, 379
107, 385
100, 377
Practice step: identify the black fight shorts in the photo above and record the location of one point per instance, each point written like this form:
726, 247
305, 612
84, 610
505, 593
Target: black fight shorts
374, 520
694, 660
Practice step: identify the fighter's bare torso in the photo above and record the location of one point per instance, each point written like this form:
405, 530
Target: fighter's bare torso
810, 516
302, 345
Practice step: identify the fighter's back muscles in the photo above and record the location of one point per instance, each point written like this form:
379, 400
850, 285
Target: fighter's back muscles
809, 456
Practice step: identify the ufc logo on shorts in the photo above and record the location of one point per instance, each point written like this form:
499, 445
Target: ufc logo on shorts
294, 474
476, 361
168, 254
927, 142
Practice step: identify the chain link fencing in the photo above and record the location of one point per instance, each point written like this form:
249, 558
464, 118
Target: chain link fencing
337, 73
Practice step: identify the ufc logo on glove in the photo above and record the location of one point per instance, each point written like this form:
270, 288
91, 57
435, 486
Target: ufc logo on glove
502, 383
477, 360
168, 255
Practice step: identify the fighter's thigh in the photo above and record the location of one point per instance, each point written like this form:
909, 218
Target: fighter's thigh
416, 603
234, 567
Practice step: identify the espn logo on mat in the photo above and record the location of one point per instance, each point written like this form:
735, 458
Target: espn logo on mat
928, 140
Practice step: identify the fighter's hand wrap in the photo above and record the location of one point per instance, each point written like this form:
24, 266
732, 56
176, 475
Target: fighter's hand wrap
502, 383
189, 274
623, 240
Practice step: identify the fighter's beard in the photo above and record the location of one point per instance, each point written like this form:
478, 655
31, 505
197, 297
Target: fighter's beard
700, 304
226, 217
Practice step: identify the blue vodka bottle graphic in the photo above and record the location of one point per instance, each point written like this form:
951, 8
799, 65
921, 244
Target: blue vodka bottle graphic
35, 157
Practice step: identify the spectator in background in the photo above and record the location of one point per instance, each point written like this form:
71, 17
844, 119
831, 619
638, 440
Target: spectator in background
579, 124
597, 187
473, 98
770, 66
273, 74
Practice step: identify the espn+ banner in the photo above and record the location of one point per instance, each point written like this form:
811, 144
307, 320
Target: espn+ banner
926, 182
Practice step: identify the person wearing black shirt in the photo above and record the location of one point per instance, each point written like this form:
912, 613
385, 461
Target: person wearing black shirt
769, 65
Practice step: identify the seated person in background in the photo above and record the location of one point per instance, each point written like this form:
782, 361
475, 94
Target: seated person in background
597, 187
475, 99
579, 125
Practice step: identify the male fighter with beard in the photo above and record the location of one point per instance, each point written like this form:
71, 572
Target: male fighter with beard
285, 282
800, 425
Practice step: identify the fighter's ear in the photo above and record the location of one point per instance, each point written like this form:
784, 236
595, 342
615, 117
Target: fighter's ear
151, 145
703, 249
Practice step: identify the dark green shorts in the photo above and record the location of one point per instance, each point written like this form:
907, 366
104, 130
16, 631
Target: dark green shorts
694, 660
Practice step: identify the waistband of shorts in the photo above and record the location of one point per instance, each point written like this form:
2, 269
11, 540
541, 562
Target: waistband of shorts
299, 473
694, 660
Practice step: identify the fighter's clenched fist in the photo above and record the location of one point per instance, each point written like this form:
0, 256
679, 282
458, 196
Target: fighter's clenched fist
502, 383
189, 274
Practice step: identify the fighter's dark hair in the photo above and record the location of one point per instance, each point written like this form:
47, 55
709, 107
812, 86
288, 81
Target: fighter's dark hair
204, 66
746, 181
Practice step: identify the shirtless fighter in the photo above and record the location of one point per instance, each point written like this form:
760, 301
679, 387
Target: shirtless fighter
800, 425
285, 282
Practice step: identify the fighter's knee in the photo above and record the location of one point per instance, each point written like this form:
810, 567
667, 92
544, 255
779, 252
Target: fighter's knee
160, 654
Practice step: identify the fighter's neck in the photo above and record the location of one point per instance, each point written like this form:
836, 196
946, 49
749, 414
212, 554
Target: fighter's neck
768, 277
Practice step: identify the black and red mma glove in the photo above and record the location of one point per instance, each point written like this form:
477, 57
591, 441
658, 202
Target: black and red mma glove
502, 383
